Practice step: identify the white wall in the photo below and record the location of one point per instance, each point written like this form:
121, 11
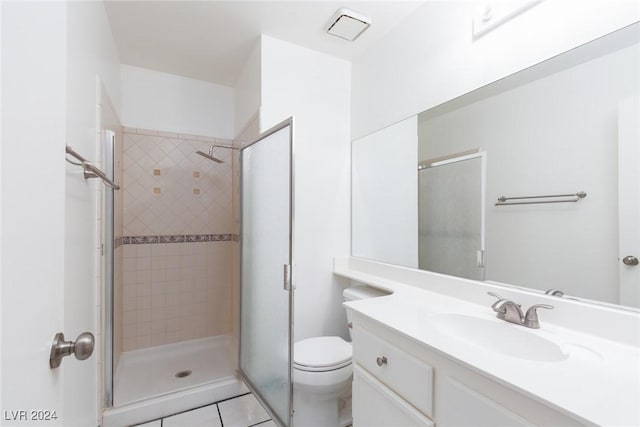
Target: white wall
555, 135
431, 57
170, 103
315, 89
246, 91
384, 206
91, 57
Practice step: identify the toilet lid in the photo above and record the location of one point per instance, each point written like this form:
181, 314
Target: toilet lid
321, 353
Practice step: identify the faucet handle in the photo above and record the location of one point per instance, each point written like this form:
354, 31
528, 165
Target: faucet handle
500, 299
531, 318
554, 292
493, 294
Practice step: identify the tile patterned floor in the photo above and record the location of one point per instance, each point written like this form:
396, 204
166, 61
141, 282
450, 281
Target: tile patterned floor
240, 411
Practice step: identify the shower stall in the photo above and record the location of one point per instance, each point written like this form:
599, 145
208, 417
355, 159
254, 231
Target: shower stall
187, 308
171, 242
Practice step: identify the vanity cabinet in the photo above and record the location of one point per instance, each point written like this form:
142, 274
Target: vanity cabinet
376, 405
400, 382
406, 375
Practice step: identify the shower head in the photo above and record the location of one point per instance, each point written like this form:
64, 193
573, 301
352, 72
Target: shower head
209, 156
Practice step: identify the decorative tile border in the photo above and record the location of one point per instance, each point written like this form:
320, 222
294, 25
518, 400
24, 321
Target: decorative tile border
117, 242
198, 237
179, 238
172, 239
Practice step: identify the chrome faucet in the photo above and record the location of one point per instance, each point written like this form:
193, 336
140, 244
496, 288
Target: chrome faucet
508, 310
512, 312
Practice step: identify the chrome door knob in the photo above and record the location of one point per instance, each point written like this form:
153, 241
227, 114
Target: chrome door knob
630, 260
82, 348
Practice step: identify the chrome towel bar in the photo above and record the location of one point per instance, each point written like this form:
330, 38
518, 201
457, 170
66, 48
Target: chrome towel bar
502, 201
90, 171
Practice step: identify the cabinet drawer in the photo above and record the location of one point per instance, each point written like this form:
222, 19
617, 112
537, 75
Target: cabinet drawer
404, 374
374, 405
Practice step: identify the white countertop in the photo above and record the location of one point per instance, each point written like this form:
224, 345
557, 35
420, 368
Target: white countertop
599, 382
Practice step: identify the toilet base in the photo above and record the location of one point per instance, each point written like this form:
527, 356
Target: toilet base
327, 413
327, 405
345, 416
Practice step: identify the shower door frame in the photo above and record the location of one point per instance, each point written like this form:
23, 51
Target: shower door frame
288, 122
108, 251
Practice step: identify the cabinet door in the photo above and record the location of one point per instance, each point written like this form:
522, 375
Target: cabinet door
407, 376
374, 405
463, 407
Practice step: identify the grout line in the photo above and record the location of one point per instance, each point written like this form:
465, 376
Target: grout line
188, 410
261, 422
200, 407
220, 415
234, 397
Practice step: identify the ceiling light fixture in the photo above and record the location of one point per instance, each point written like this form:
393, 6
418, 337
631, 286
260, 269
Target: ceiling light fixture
348, 25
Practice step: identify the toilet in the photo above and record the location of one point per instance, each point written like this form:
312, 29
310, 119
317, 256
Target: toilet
322, 375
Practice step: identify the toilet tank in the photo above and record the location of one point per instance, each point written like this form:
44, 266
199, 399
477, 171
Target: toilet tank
355, 293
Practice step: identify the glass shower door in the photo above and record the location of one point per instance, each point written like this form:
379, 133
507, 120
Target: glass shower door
451, 216
265, 281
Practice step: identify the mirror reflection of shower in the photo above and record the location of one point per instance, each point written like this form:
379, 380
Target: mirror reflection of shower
210, 156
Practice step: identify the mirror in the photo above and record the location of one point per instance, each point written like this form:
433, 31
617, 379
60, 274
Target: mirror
426, 191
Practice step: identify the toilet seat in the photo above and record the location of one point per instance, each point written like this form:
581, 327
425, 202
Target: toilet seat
321, 354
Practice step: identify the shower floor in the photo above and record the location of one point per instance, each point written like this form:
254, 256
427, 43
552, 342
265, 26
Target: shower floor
156, 371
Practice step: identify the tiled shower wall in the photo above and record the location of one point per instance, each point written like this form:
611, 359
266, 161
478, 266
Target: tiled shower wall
179, 237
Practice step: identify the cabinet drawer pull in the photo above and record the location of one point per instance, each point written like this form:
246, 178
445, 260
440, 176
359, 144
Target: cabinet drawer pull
381, 360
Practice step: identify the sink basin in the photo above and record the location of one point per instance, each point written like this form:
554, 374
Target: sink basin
498, 336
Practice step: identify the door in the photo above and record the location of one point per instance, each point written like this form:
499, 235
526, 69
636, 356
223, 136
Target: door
266, 294
33, 206
47, 259
451, 215
629, 200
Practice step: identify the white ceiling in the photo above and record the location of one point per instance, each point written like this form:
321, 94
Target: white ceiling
210, 40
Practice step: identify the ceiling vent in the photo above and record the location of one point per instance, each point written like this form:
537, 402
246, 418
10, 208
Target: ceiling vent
348, 25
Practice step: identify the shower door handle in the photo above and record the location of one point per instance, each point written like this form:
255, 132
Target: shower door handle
82, 348
286, 279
